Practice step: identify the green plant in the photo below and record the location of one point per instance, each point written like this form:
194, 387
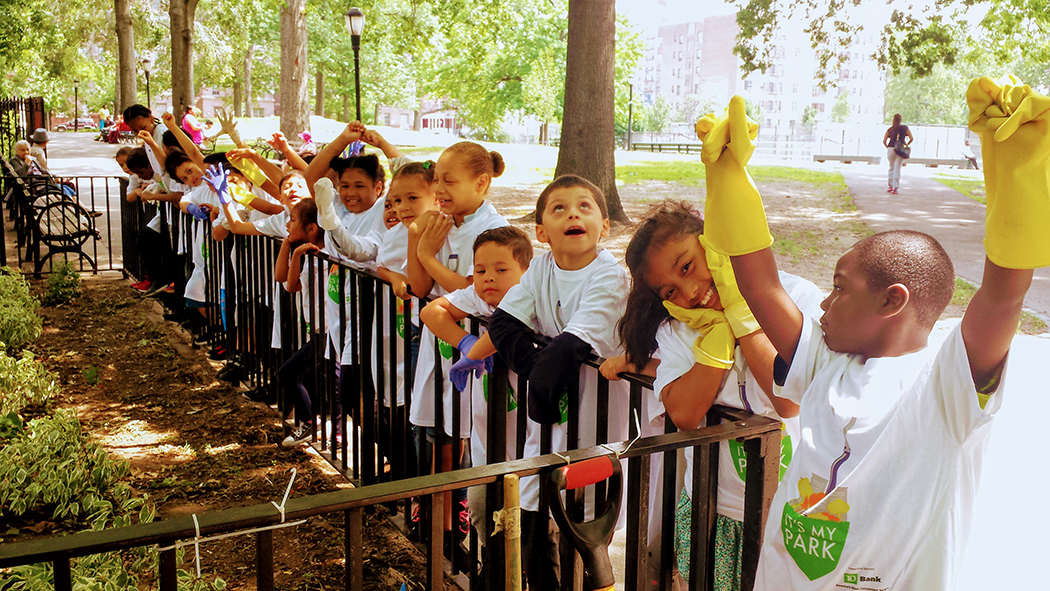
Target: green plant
973, 189
19, 323
54, 467
63, 284
24, 381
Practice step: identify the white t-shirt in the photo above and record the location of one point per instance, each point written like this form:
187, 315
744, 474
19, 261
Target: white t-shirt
675, 347
275, 225
393, 249
456, 254
586, 303
196, 284
468, 301
892, 449
358, 238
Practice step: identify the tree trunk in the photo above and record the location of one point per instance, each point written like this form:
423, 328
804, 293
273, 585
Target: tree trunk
248, 102
319, 96
588, 130
417, 119
237, 98
294, 118
116, 92
126, 86
181, 14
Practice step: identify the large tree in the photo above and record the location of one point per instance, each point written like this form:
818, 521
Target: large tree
294, 85
587, 134
181, 15
126, 54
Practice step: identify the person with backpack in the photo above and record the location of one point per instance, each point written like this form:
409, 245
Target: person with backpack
898, 141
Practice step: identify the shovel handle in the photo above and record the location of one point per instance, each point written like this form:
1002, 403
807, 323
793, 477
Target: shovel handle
587, 472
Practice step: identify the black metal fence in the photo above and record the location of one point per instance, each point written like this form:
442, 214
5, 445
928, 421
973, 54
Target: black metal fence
377, 449
77, 219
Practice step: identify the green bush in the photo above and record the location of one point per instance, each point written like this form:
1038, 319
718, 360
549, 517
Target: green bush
53, 467
24, 381
63, 284
19, 323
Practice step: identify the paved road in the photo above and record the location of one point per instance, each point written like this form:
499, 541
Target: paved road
926, 205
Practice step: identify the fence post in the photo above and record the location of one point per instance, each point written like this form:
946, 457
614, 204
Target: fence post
763, 475
264, 560
353, 542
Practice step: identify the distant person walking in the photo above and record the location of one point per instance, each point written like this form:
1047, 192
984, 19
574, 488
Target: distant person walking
898, 141
968, 154
192, 126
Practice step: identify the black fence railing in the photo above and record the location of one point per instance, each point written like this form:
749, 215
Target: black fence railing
364, 431
76, 219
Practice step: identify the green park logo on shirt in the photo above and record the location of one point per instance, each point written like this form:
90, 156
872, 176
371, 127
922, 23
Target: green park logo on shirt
445, 349
400, 318
205, 251
814, 527
333, 289
736, 451
512, 397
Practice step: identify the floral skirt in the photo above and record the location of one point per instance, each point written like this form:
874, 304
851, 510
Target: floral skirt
729, 544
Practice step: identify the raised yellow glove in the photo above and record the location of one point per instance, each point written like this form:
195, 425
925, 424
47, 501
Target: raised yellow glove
716, 345
737, 312
1012, 121
734, 219
242, 196
250, 170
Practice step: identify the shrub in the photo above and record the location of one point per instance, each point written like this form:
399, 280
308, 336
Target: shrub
63, 284
24, 381
19, 323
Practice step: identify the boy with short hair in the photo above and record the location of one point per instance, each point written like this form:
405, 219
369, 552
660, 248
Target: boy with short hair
880, 493
573, 294
501, 256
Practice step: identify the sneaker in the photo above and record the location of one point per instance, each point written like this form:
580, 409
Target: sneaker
464, 519
303, 433
261, 394
894, 191
161, 290
415, 533
179, 317
232, 372
218, 353
141, 285
890, 190
153, 289
205, 338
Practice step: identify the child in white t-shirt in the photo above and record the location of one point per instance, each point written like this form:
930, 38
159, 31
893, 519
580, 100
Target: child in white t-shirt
673, 272
881, 488
501, 256
574, 295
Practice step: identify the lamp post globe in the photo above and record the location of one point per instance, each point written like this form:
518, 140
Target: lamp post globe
355, 25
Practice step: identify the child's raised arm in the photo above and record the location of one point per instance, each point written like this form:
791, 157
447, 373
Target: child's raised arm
735, 224
279, 142
1016, 150
373, 138
187, 144
270, 184
158, 152
321, 163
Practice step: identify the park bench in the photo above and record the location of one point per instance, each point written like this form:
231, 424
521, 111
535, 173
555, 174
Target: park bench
935, 162
847, 159
670, 147
45, 215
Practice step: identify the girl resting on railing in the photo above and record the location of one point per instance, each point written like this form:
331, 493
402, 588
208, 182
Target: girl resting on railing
687, 325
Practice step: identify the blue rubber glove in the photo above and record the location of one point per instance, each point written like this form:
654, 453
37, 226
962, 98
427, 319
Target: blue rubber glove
354, 149
216, 177
200, 212
460, 372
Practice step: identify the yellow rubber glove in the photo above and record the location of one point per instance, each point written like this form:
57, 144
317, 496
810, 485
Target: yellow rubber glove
242, 195
250, 170
734, 219
716, 345
1012, 121
737, 312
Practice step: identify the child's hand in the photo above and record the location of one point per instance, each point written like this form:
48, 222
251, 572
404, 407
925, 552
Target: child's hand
737, 312
168, 118
372, 138
1012, 121
305, 248
353, 131
613, 366
199, 212
145, 136
217, 178
433, 236
279, 142
324, 196
401, 289
240, 153
716, 345
735, 221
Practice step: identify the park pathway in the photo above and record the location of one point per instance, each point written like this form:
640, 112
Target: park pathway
926, 205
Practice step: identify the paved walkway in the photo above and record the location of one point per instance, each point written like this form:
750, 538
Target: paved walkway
926, 205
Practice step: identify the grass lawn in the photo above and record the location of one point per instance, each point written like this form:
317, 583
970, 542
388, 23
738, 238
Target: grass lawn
971, 188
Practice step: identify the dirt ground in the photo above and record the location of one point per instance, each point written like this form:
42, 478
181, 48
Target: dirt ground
195, 444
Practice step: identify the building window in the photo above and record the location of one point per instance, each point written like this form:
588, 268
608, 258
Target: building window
819, 107
794, 88
748, 84
794, 107
257, 112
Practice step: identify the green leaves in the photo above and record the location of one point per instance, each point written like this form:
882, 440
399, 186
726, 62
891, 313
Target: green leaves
23, 381
63, 284
19, 323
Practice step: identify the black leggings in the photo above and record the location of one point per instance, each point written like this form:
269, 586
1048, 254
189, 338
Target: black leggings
290, 378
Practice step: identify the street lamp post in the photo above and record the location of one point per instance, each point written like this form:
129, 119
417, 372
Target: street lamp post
76, 104
355, 24
146, 63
